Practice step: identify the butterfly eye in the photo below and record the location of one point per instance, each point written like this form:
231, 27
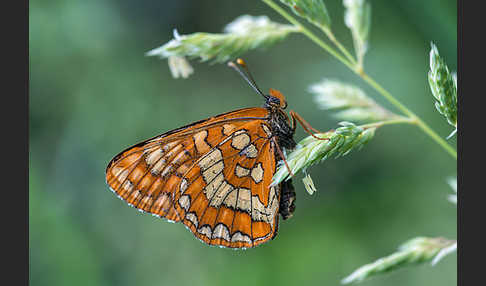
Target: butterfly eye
273, 101
276, 98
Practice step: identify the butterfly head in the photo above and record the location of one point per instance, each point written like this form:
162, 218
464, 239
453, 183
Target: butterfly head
276, 99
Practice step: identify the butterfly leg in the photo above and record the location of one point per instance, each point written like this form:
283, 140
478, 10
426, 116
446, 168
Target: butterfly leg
280, 153
287, 201
307, 127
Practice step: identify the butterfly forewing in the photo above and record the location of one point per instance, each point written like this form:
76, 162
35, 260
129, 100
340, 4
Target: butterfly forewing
213, 175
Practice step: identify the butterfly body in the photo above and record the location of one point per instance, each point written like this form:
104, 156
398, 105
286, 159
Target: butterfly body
281, 126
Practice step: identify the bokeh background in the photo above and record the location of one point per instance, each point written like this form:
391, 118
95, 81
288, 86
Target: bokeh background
94, 93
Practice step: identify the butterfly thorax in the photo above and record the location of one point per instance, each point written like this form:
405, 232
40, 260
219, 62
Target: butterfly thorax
279, 121
281, 129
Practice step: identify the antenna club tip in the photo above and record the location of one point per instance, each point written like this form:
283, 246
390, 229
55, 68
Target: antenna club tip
241, 62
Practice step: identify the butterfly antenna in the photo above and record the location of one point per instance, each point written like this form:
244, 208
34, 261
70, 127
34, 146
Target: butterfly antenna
247, 76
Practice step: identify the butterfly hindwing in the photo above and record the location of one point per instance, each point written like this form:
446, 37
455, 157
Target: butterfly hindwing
226, 197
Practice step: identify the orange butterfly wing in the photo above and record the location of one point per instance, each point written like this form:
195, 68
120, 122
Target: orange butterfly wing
213, 175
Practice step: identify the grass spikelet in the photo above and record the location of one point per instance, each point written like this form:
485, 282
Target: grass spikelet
245, 33
310, 151
350, 102
413, 251
313, 11
443, 85
357, 18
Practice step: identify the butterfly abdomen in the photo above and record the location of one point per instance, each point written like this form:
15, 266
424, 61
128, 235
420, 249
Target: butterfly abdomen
287, 199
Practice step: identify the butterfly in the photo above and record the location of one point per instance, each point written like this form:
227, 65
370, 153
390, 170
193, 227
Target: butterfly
215, 175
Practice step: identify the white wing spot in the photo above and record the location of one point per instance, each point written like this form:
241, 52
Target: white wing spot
154, 156
230, 200
250, 151
161, 201
205, 230
257, 173
239, 237
155, 170
185, 202
241, 171
227, 128
221, 231
192, 218
120, 173
260, 212
240, 141
210, 173
183, 187
200, 141
220, 194
212, 187
244, 197
211, 158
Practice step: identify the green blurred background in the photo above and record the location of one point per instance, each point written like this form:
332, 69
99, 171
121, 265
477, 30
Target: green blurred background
94, 93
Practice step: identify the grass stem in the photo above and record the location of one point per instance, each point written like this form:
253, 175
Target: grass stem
338, 44
309, 34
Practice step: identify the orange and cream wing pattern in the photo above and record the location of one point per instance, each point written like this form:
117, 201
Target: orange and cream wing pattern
226, 197
214, 176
